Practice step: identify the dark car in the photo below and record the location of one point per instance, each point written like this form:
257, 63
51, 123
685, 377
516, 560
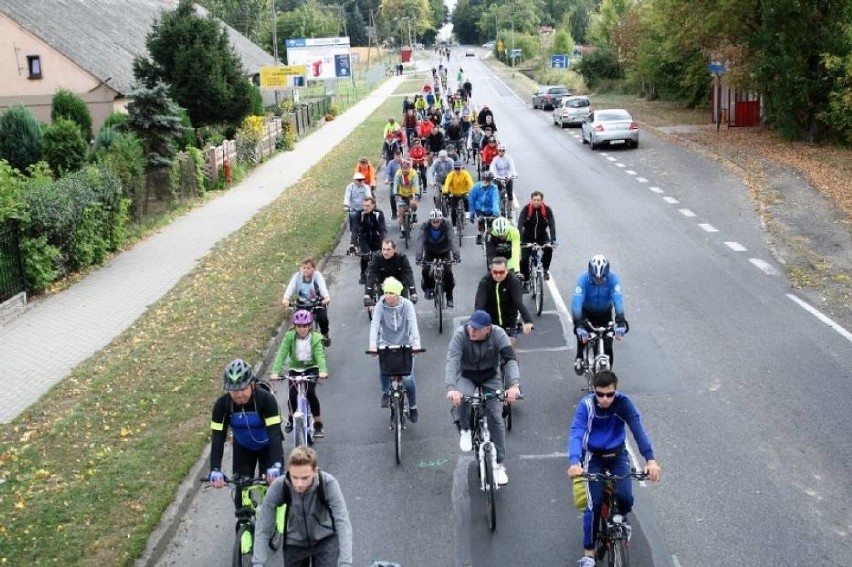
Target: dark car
548, 96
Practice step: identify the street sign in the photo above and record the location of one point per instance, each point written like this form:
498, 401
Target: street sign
716, 68
517, 52
559, 61
500, 46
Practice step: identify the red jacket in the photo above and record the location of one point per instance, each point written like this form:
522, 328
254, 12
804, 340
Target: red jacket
425, 128
417, 154
489, 152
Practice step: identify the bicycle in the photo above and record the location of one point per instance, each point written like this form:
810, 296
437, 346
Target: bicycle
313, 306
436, 268
536, 274
303, 419
612, 532
486, 237
248, 494
484, 448
407, 220
397, 362
505, 205
507, 407
595, 358
460, 220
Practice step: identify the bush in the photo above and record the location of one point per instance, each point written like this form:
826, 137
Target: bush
256, 101
106, 137
126, 158
188, 138
602, 63
116, 121
68, 105
10, 191
20, 138
64, 146
41, 263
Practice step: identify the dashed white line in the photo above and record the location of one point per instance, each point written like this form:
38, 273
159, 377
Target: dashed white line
610, 158
736, 246
641, 180
708, 227
604, 154
764, 266
686, 212
670, 200
822, 317
675, 561
630, 172
656, 189
620, 165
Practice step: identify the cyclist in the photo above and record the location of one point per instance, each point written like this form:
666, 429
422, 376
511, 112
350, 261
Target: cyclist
596, 442
386, 264
307, 287
320, 533
457, 186
436, 242
390, 172
484, 111
406, 188
430, 99
468, 87
365, 168
407, 104
460, 76
395, 324
487, 136
536, 225
353, 200
484, 201
489, 123
474, 139
453, 131
418, 155
500, 295
503, 167
390, 146
436, 142
301, 349
476, 351
506, 242
466, 129
598, 291
255, 421
390, 126
441, 167
371, 230
489, 152
420, 106
409, 122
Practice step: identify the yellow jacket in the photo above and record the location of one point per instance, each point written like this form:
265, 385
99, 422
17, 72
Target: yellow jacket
458, 183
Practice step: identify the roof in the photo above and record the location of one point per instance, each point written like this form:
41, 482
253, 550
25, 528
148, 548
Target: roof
104, 36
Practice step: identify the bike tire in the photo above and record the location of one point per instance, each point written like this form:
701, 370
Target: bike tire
618, 555
243, 546
398, 417
490, 489
460, 221
300, 433
439, 304
538, 286
406, 227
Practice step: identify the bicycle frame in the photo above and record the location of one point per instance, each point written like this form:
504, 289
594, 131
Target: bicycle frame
303, 420
595, 358
612, 533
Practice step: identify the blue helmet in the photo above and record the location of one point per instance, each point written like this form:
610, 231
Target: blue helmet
598, 267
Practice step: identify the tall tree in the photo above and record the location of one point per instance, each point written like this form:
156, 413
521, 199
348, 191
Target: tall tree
465, 18
356, 26
245, 16
193, 55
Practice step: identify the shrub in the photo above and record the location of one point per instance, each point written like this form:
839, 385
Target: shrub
41, 263
602, 63
248, 139
197, 157
126, 158
20, 137
64, 146
106, 137
68, 105
10, 191
256, 101
188, 137
116, 121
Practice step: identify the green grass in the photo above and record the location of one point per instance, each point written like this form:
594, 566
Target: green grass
90, 468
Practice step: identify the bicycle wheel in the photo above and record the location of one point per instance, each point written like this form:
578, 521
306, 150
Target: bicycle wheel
398, 417
300, 431
406, 227
490, 488
243, 546
618, 556
439, 303
538, 287
460, 221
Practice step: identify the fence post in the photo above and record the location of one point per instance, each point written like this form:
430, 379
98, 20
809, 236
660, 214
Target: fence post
214, 166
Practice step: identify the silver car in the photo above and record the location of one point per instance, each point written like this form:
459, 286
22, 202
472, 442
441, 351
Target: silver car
572, 110
610, 126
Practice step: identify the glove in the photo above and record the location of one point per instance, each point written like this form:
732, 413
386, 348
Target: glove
581, 333
351, 248
273, 472
413, 297
619, 331
457, 258
216, 477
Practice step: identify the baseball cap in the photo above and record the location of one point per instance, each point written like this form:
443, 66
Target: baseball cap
393, 285
457, 164
358, 175
479, 319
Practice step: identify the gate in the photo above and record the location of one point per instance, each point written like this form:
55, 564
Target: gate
12, 278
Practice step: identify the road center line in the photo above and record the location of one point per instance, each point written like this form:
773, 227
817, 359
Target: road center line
822, 317
686, 212
641, 180
736, 246
656, 189
670, 200
764, 266
630, 172
708, 227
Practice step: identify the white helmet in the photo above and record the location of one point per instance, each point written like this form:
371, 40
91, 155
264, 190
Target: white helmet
500, 226
436, 214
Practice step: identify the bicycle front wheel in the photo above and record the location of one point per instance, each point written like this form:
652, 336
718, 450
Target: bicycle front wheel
618, 556
406, 227
460, 221
538, 287
398, 417
439, 305
243, 546
300, 432
490, 488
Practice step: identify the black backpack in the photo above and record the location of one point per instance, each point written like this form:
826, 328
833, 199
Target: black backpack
287, 497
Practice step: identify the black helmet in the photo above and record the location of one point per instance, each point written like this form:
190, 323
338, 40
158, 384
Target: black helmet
488, 175
237, 375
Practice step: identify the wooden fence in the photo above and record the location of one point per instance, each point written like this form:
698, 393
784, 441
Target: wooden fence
234, 150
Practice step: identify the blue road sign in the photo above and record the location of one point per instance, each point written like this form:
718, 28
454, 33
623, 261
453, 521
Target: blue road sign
559, 62
716, 68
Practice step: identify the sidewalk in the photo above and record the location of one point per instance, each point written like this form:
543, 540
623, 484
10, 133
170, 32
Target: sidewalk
41, 346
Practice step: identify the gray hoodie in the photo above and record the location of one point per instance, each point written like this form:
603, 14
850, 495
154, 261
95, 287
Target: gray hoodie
309, 520
478, 361
394, 326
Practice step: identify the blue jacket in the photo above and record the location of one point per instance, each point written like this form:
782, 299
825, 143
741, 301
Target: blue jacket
593, 298
484, 200
599, 430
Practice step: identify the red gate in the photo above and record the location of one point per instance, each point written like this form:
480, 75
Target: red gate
747, 113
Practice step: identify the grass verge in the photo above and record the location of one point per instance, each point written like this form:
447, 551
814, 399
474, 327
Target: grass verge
90, 468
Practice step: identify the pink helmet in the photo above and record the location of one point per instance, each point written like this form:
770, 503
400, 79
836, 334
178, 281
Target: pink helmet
303, 317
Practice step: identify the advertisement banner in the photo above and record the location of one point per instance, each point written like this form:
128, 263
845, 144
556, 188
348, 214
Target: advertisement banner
324, 57
282, 76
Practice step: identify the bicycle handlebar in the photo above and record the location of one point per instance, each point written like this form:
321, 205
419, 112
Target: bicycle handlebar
395, 347
606, 475
239, 482
498, 394
537, 245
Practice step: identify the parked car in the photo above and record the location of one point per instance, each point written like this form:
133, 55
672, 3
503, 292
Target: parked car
546, 97
572, 110
612, 127
488, 45
469, 53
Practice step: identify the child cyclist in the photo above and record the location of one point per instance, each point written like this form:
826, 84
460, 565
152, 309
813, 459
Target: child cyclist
302, 349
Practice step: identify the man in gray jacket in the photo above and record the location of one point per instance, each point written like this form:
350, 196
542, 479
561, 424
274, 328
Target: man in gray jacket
473, 359
395, 324
320, 533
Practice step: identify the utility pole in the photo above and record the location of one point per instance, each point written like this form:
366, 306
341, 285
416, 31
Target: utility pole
275, 44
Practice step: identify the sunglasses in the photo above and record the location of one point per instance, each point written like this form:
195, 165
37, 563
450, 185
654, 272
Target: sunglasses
498, 272
605, 394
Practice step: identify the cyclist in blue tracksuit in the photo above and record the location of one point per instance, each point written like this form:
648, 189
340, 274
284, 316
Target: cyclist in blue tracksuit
484, 200
596, 443
598, 291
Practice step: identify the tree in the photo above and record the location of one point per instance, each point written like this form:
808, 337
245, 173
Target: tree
306, 20
465, 16
356, 27
245, 16
64, 146
192, 54
67, 104
562, 42
20, 137
397, 13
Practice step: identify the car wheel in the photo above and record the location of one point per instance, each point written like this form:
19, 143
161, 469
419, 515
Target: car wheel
534, 106
583, 136
635, 144
592, 143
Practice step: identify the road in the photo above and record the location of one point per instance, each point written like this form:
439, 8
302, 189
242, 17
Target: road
745, 393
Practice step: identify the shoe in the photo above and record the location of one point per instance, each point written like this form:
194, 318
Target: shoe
578, 366
450, 303
385, 403
319, 431
479, 240
413, 415
362, 279
500, 475
586, 562
326, 341
465, 440
288, 427
393, 216
525, 286
628, 531
547, 275
429, 294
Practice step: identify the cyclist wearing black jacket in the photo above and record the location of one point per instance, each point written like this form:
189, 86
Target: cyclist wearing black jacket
536, 224
371, 231
500, 295
388, 264
436, 242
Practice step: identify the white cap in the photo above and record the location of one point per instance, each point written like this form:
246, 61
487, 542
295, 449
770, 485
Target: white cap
358, 175
442, 153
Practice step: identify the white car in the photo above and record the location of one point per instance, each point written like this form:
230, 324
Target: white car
572, 110
612, 127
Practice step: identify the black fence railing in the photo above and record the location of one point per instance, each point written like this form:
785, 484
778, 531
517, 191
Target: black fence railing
12, 278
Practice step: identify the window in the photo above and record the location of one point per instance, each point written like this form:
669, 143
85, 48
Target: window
34, 66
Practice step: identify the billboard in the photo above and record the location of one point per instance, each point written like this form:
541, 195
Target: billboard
324, 57
282, 76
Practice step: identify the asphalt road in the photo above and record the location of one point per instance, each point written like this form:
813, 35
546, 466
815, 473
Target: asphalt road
745, 394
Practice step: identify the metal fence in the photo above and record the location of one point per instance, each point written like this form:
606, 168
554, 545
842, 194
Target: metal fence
12, 278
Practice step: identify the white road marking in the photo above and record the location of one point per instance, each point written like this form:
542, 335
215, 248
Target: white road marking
517, 96
556, 455
610, 158
670, 200
708, 227
675, 561
604, 154
764, 266
656, 189
620, 165
822, 317
630, 172
686, 212
641, 180
736, 246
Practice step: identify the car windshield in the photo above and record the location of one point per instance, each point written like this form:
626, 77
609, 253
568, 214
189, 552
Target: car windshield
612, 115
558, 90
578, 103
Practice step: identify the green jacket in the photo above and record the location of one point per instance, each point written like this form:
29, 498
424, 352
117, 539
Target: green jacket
287, 353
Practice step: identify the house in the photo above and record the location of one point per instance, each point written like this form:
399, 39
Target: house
87, 47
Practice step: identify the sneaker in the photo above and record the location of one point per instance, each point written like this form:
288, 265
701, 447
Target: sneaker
326, 341
319, 431
479, 240
393, 216
546, 275
450, 303
428, 294
362, 279
413, 415
578, 366
288, 427
385, 403
500, 475
586, 562
465, 440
